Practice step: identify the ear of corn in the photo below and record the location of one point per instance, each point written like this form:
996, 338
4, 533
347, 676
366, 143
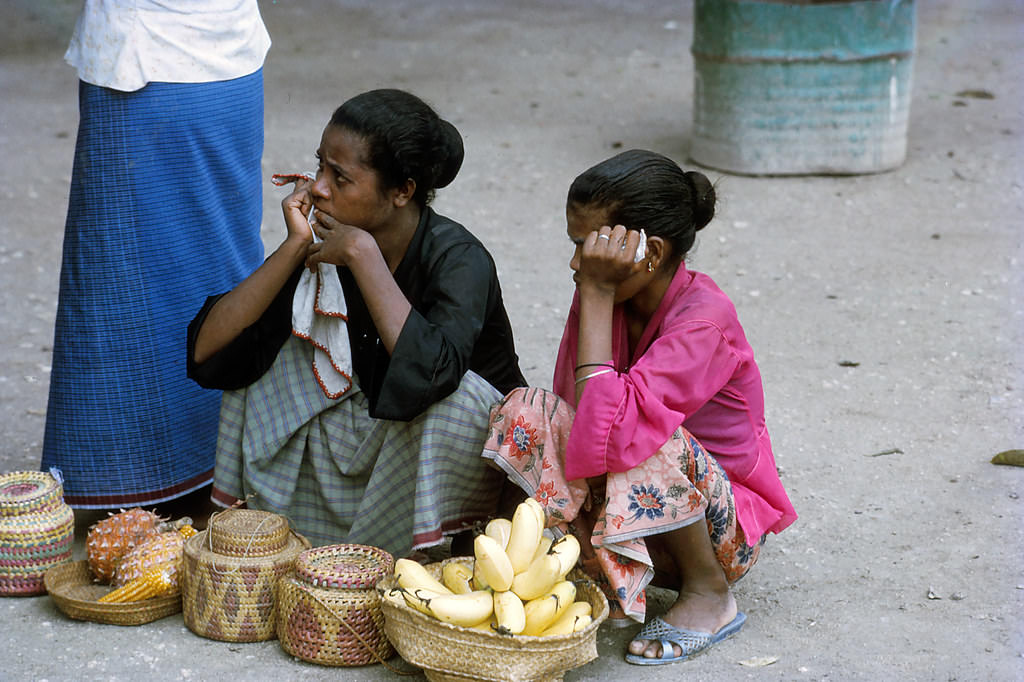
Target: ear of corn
152, 583
187, 531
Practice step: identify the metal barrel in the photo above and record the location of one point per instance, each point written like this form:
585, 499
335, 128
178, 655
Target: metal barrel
802, 87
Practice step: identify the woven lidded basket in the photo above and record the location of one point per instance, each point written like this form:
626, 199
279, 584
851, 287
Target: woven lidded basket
231, 596
36, 530
248, 532
449, 653
328, 611
73, 590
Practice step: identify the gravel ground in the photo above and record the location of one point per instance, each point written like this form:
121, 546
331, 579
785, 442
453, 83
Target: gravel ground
885, 311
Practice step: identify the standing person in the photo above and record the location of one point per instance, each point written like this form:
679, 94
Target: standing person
653, 447
391, 459
165, 205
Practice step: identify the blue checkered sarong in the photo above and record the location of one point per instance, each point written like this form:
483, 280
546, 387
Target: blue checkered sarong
341, 476
165, 209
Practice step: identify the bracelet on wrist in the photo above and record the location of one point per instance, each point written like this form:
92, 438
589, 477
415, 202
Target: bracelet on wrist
594, 374
593, 364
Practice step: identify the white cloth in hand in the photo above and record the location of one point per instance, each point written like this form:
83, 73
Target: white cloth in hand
320, 316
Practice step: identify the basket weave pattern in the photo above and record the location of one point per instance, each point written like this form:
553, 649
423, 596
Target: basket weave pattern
36, 530
73, 590
247, 532
448, 652
328, 610
232, 598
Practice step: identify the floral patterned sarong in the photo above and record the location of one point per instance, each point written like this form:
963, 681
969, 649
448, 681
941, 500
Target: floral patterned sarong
678, 485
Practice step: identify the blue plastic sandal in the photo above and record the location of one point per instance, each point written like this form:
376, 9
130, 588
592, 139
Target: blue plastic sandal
690, 642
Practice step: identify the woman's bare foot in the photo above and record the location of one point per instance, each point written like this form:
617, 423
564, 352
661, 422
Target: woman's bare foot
705, 603
700, 612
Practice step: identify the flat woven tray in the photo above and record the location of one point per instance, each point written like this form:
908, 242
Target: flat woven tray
448, 653
73, 591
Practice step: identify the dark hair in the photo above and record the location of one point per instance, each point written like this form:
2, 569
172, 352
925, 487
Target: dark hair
405, 139
643, 189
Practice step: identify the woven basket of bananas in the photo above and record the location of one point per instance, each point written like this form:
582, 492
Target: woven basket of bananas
328, 610
231, 597
519, 609
456, 653
36, 530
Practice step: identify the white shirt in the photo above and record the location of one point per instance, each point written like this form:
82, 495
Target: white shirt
124, 44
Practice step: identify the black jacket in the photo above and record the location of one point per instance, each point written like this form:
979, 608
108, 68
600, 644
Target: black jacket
457, 323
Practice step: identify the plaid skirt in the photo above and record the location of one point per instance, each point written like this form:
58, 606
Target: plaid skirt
678, 485
165, 209
341, 476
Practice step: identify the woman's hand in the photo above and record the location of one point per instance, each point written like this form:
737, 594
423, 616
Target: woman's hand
356, 249
339, 243
243, 305
606, 260
607, 257
296, 206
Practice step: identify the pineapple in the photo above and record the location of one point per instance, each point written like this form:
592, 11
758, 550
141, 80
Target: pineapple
163, 550
114, 536
152, 568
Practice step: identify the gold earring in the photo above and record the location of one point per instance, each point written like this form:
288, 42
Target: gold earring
650, 266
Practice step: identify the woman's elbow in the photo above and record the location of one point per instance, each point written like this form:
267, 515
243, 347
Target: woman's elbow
202, 350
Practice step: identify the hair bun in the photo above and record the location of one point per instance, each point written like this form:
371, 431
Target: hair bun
455, 154
703, 199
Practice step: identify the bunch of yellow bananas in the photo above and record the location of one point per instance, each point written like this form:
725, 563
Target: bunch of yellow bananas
516, 586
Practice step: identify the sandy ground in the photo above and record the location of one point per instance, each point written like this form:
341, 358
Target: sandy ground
885, 310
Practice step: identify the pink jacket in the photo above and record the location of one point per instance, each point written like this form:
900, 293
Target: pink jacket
693, 366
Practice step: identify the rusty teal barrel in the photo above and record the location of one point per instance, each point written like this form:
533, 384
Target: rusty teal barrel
802, 87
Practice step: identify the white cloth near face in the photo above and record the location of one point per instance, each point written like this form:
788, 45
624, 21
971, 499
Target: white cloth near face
320, 316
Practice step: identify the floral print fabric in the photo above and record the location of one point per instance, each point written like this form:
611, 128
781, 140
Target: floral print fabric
678, 485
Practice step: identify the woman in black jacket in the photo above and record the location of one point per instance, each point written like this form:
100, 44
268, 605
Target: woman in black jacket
393, 460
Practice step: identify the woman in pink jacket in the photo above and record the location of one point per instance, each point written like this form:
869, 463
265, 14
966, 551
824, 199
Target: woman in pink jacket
656, 421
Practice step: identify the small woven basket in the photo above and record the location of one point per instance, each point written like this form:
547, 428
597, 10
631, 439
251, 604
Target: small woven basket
328, 610
448, 653
73, 590
231, 596
37, 531
248, 532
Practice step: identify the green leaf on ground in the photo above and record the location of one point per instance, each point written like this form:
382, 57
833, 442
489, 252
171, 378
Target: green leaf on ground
1013, 458
976, 94
890, 451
